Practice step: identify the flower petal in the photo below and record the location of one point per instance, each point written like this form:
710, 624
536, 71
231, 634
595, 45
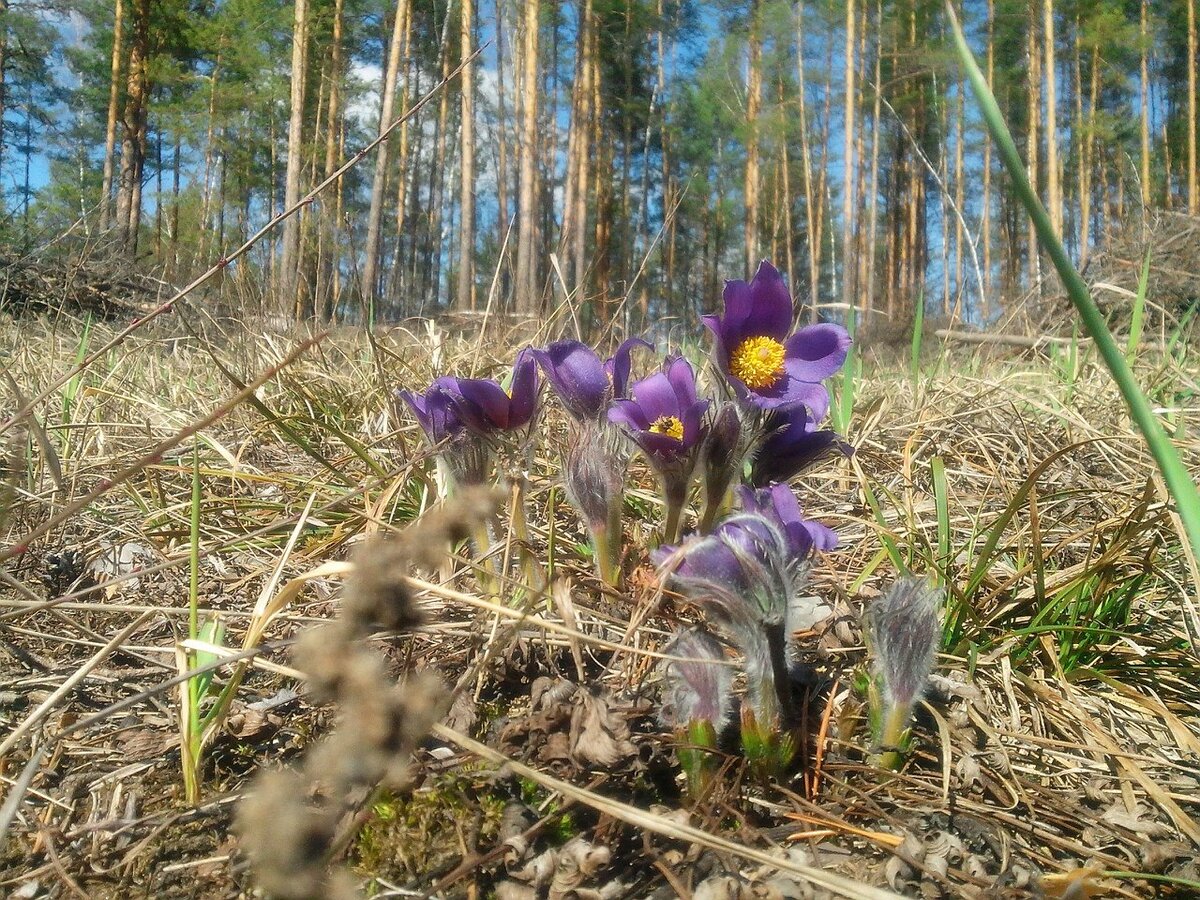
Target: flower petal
816, 351
523, 390
629, 414
656, 396
683, 380
660, 446
739, 304
713, 324
620, 363
577, 377
785, 455
482, 404
771, 312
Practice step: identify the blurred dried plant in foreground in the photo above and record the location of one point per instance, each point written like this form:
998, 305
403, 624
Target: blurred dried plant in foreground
290, 822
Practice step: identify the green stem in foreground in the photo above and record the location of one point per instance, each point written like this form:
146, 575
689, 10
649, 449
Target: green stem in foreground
1179, 483
891, 736
607, 552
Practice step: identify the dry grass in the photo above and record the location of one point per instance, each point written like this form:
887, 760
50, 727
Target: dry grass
1053, 752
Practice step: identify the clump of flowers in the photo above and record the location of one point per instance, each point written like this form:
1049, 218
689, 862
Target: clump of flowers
470, 422
746, 577
759, 427
774, 376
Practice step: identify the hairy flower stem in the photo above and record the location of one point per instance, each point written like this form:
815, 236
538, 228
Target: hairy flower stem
891, 736
485, 572
674, 490
716, 505
520, 533
777, 647
607, 552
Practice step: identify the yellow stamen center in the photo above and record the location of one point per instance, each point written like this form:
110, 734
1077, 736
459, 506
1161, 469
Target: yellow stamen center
668, 425
757, 361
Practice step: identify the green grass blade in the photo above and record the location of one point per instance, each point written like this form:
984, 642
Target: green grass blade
843, 402
1139, 311
1179, 482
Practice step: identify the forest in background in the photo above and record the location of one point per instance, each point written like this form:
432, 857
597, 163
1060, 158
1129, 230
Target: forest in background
629, 153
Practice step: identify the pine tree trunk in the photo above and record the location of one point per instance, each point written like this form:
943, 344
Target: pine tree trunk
370, 275
848, 165
409, 80
290, 303
810, 214
986, 199
753, 106
110, 127
873, 192
133, 147
501, 126
1053, 175
1144, 97
1193, 195
326, 295
466, 228
431, 256
591, 93
527, 299
1033, 55
206, 190
959, 195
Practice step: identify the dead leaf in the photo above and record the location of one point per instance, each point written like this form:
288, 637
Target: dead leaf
598, 736
1136, 821
146, 743
252, 724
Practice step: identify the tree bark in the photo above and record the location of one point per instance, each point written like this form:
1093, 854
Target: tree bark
753, 106
810, 214
370, 275
1053, 175
526, 291
1031, 146
848, 166
133, 146
986, 199
466, 227
290, 302
110, 127
326, 297
1193, 195
501, 125
1144, 98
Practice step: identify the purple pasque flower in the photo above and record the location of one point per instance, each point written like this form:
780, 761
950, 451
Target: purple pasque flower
462, 456
435, 413
744, 576
664, 415
583, 383
767, 364
742, 573
779, 504
485, 407
791, 445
